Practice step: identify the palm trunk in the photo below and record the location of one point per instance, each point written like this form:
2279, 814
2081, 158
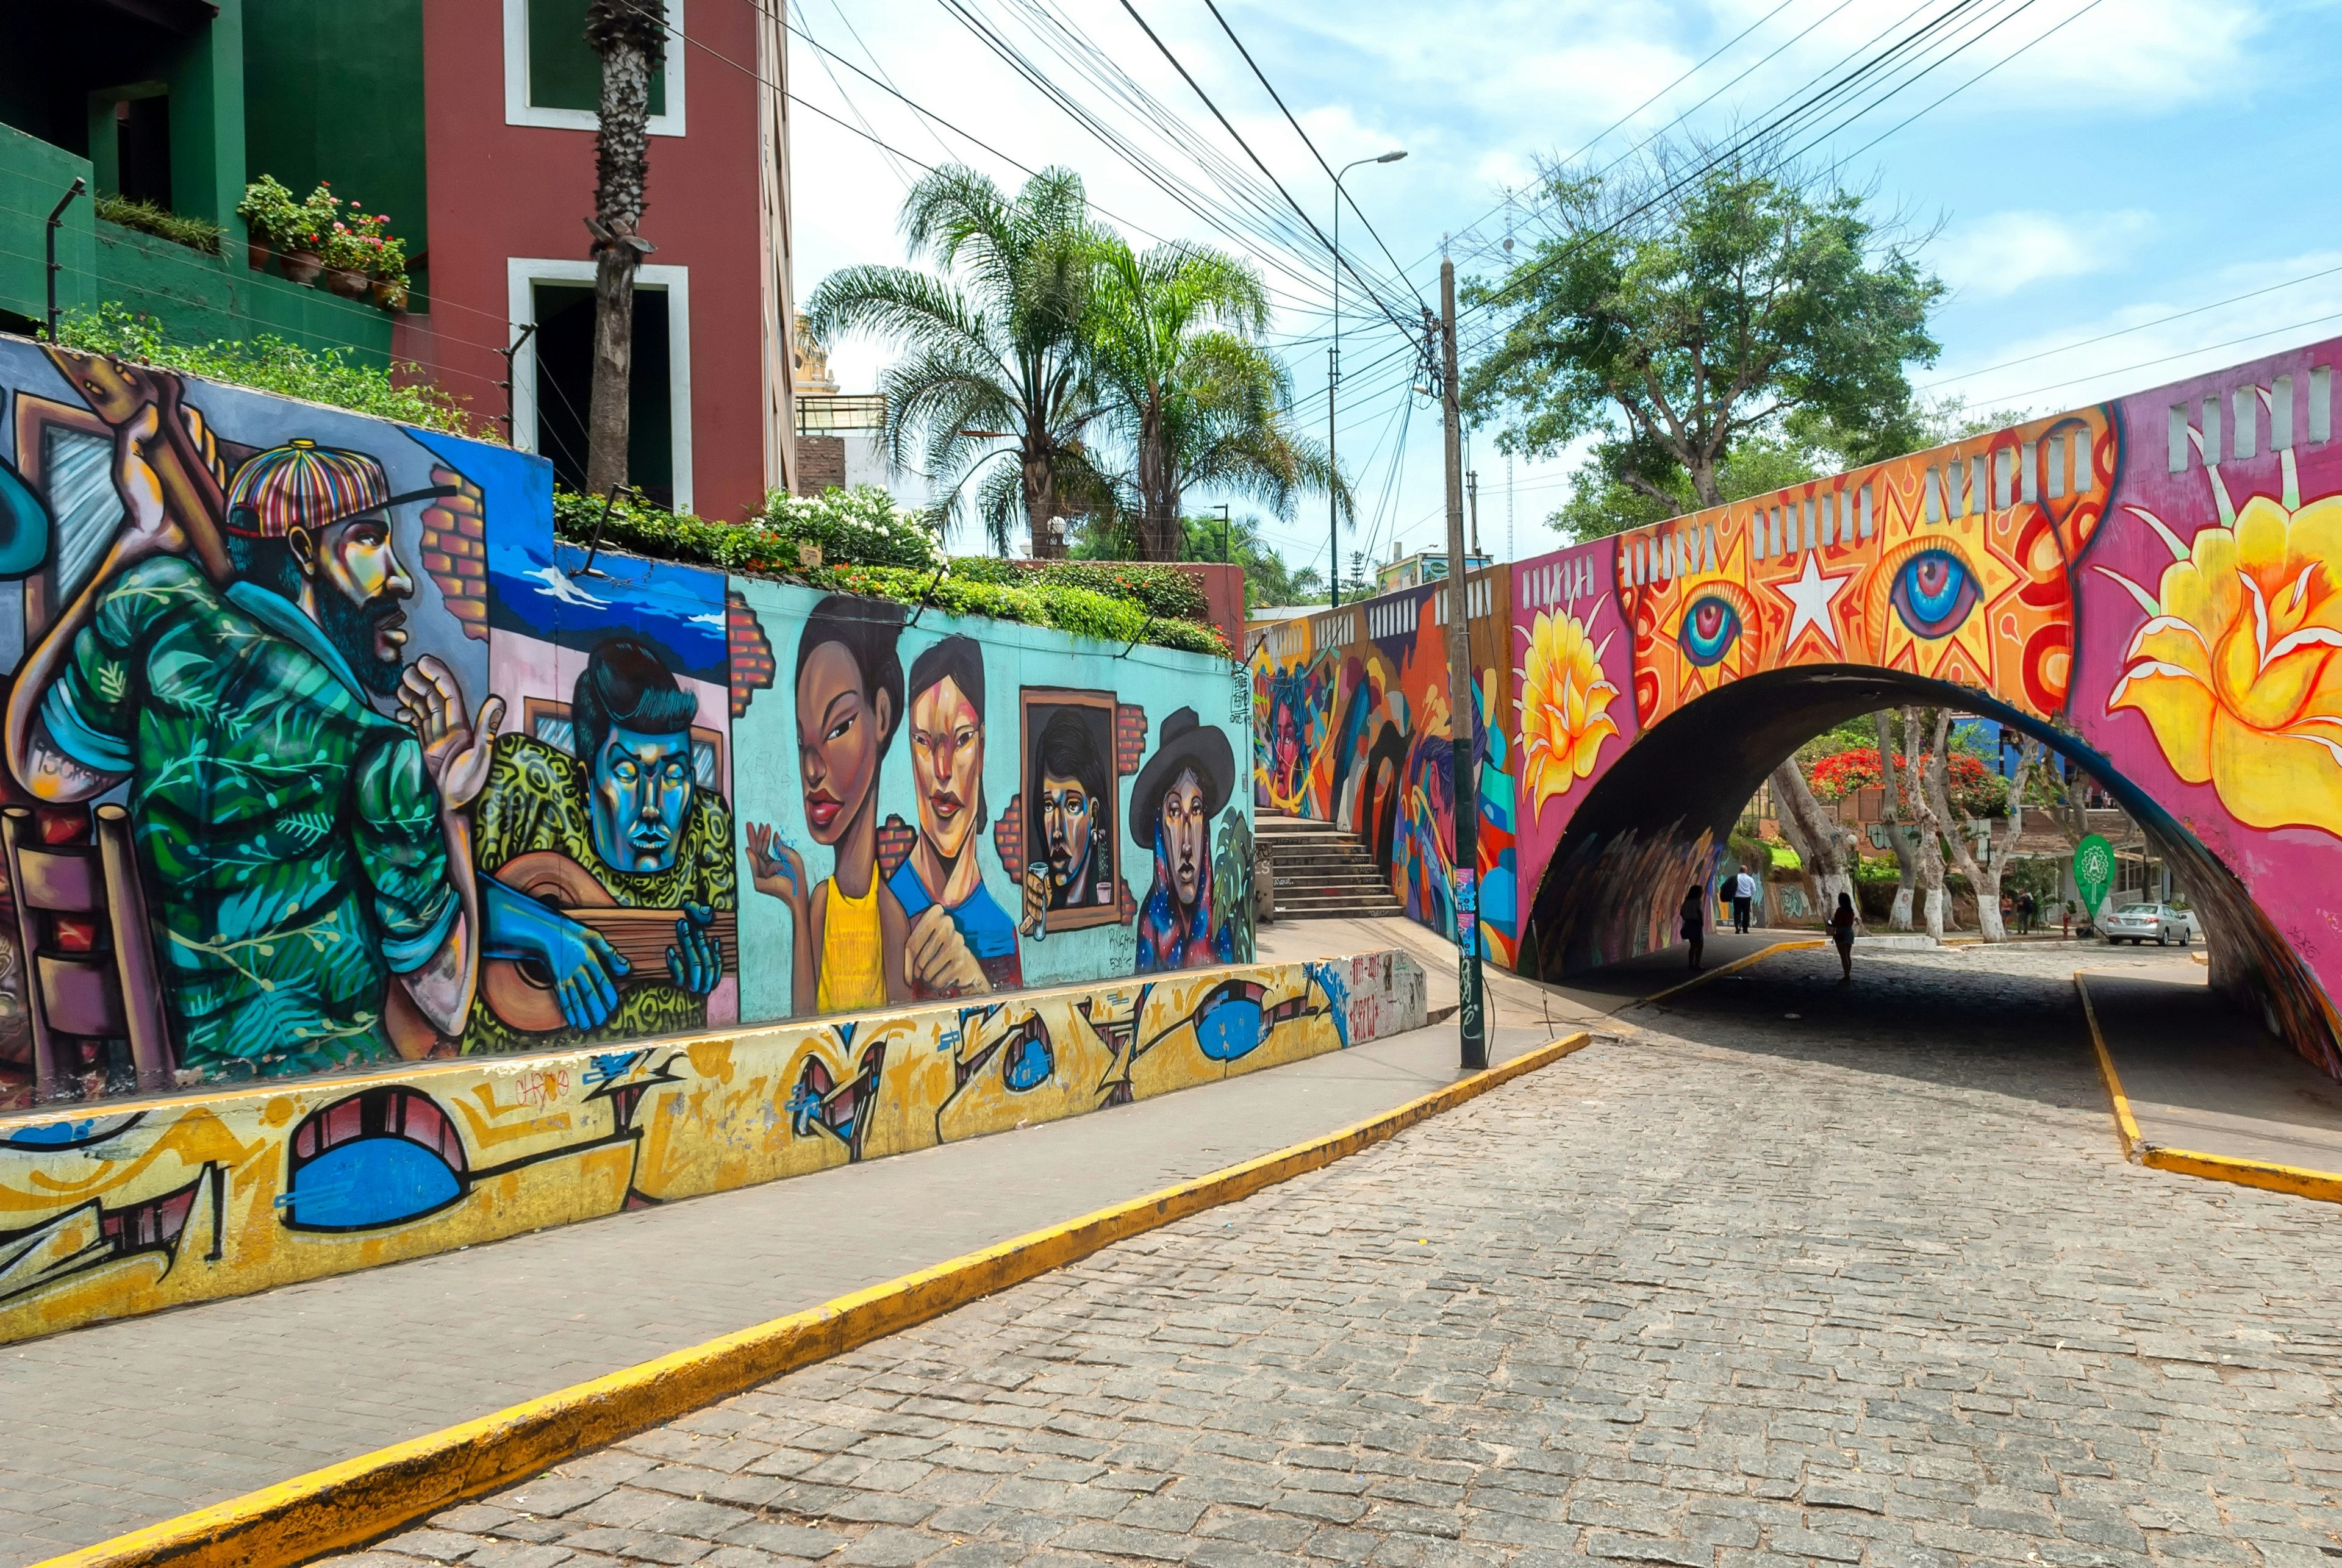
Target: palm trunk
629, 42
1041, 505
1158, 521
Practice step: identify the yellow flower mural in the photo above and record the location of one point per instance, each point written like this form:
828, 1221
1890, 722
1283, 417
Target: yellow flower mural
2234, 668
1564, 706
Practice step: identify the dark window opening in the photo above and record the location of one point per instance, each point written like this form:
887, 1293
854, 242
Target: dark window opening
141, 137
564, 388
564, 71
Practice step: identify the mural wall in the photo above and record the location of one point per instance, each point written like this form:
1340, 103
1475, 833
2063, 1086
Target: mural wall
2152, 585
115, 1212
322, 754
1352, 725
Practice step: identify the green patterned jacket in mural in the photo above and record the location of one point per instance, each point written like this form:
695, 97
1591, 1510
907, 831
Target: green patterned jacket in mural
290, 835
535, 799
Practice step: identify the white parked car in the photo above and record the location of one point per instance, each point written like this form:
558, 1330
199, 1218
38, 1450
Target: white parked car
2137, 923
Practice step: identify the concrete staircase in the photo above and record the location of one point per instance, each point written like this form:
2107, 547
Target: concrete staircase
1323, 873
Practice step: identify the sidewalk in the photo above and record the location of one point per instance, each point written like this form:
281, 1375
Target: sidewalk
122, 1424
2200, 1075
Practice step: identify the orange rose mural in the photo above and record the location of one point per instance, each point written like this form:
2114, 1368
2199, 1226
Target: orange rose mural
2235, 667
1564, 706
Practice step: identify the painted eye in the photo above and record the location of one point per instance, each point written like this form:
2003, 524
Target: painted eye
1933, 591
1711, 625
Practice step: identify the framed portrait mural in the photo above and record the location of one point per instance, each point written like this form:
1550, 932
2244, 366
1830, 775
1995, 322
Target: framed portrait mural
1070, 797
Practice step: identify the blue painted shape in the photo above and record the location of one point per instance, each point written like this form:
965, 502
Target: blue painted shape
371, 1182
1230, 1030
24, 525
1029, 1064
53, 1135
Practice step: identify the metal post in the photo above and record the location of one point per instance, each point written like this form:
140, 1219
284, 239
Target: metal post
1472, 497
57, 216
1464, 725
1223, 533
511, 436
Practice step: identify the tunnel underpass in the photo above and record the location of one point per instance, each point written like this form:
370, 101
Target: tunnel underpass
1657, 820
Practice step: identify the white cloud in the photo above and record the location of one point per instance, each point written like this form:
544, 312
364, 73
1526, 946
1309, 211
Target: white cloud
2002, 253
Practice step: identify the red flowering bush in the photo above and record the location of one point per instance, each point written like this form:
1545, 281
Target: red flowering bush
1976, 790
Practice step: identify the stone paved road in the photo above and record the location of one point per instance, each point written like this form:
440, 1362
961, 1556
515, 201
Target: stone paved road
1866, 1285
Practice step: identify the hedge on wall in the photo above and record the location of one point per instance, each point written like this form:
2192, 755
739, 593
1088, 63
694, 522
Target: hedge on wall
904, 567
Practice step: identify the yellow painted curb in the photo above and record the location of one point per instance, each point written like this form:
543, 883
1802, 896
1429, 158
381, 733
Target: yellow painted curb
1743, 961
2126, 1124
375, 1494
2325, 1186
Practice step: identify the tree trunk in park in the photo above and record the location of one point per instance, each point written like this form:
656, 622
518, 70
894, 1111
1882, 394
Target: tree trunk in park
1041, 502
1907, 859
1984, 875
1159, 533
630, 36
1814, 833
1930, 826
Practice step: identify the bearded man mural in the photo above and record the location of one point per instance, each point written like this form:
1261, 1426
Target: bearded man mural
307, 855
1181, 789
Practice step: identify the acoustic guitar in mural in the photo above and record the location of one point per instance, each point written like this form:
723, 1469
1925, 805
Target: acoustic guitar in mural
520, 992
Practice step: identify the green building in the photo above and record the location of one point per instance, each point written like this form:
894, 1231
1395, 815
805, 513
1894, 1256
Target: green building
177, 103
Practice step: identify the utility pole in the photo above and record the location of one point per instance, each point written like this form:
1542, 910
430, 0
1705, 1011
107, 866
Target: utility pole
1333, 493
1464, 725
1472, 499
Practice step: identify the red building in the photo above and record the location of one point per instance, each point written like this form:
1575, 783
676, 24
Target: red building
509, 90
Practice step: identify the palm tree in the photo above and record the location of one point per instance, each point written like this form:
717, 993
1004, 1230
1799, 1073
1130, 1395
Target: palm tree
993, 399
1200, 404
630, 36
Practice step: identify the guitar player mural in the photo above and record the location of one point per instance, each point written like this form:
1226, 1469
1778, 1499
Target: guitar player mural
604, 836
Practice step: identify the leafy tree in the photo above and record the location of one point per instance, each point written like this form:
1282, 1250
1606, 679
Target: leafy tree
630, 36
1600, 503
993, 400
1697, 299
1196, 401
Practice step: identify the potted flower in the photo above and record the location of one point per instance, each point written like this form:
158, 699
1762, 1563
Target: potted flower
279, 224
387, 272
351, 244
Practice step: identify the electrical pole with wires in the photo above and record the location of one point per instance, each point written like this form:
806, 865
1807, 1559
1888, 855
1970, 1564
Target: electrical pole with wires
1464, 720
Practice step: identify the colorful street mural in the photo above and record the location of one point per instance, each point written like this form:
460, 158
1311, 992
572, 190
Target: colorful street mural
2153, 585
1352, 725
322, 754
112, 1213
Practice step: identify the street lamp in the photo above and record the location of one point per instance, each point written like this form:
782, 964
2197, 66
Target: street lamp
1333, 375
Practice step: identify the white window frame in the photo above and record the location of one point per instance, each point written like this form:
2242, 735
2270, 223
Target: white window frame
523, 273
519, 111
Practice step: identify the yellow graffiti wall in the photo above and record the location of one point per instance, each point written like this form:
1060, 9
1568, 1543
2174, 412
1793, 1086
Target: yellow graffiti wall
144, 1206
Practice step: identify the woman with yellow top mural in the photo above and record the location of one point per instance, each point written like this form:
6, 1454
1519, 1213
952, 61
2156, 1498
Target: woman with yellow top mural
850, 931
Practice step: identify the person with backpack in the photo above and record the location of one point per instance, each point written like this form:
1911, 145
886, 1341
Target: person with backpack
1695, 922
1744, 895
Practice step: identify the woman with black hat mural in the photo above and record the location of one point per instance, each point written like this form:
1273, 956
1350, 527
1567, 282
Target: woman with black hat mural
1183, 786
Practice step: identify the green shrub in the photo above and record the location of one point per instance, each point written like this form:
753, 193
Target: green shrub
856, 527
271, 364
1162, 591
165, 224
972, 586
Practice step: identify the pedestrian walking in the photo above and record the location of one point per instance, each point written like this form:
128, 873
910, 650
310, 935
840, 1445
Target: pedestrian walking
2025, 909
1841, 930
1744, 894
1695, 922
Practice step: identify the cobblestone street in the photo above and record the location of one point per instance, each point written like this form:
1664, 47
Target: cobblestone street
1782, 1272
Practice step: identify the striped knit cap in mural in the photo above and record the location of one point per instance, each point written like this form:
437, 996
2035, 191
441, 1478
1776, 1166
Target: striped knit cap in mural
303, 483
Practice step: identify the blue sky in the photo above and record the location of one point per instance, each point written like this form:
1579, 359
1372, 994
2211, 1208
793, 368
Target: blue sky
2146, 158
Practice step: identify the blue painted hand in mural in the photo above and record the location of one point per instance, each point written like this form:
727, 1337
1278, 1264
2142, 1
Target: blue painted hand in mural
583, 967
696, 961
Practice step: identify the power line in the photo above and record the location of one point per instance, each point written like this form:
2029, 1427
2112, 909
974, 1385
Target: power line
1339, 260
1339, 194
2127, 330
